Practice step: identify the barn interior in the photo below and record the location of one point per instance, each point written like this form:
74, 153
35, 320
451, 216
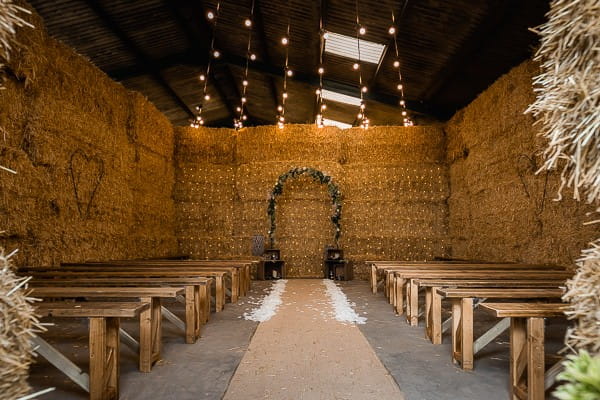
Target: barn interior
247, 199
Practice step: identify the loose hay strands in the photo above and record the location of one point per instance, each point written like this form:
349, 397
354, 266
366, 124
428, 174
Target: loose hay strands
17, 324
9, 22
584, 295
568, 107
567, 91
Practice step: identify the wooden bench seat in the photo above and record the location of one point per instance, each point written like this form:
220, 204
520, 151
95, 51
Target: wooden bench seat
527, 355
461, 267
410, 278
103, 380
463, 347
119, 272
434, 327
243, 268
196, 298
150, 343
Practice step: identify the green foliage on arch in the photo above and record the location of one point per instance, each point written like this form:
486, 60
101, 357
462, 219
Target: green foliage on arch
317, 176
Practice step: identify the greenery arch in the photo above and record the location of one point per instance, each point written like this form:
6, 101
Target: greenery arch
319, 177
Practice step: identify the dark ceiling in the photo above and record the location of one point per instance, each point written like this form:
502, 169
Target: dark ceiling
451, 50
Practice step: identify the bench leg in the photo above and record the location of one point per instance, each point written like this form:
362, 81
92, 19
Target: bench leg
535, 359
145, 354
190, 315
392, 292
428, 332
467, 332
456, 331
198, 311
373, 279
235, 286
436, 317
414, 302
220, 293
518, 360
205, 293
104, 358
399, 288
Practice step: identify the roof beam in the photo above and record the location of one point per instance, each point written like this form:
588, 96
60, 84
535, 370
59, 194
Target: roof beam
496, 15
263, 68
141, 59
263, 48
195, 38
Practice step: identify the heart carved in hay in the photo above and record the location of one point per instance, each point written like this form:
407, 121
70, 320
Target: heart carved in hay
86, 175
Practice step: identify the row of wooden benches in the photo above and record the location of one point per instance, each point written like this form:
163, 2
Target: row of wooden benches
463, 283
112, 286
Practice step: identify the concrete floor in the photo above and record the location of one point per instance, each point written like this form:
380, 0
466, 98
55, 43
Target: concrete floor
204, 370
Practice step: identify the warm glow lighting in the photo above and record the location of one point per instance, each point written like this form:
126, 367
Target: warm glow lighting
216, 54
210, 15
355, 66
392, 30
253, 57
339, 124
248, 23
396, 64
284, 41
347, 46
341, 98
362, 30
202, 77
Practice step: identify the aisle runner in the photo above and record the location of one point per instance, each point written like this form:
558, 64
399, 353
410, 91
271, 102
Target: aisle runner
304, 352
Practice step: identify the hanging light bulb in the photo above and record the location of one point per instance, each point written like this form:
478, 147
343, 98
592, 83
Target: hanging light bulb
238, 109
364, 89
248, 23
245, 82
392, 30
280, 108
216, 54
244, 117
206, 97
253, 57
362, 30
326, 35
290, 72
318, 91
321, 70
202, 77
285, 95
400, 87
323, 106
396, 64
402, 103
355, 66
284, 41
210, 15
243, 99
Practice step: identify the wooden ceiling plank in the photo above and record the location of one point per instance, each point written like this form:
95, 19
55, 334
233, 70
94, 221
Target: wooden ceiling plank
260, 27
109, 22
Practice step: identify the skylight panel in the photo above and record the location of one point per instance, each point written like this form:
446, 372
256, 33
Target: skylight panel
339, 124
347, 46
339, 97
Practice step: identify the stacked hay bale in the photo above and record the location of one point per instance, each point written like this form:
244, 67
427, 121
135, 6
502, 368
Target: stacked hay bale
568, 94
393, 182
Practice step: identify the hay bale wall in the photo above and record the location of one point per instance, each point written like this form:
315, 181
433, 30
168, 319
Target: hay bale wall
393, 182
499, 209
71, 129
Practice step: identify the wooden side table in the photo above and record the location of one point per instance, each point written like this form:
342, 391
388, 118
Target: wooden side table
271, 269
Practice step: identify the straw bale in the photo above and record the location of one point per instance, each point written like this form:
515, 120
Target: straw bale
499, 209
17, 324
71, 129
294, 142
396, 195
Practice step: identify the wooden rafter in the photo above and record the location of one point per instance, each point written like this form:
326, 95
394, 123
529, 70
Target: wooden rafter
145, 63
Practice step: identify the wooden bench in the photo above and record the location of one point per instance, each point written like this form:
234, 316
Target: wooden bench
527, 355
150, 344
411, 277
391, 270
142, 272
196, 298
463, 347
434, 327
242, 269
102, 383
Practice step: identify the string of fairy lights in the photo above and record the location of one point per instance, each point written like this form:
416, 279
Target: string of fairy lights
212, 17
238, 123
400, 86
241, 111
362, 113
321, 106
287, 71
